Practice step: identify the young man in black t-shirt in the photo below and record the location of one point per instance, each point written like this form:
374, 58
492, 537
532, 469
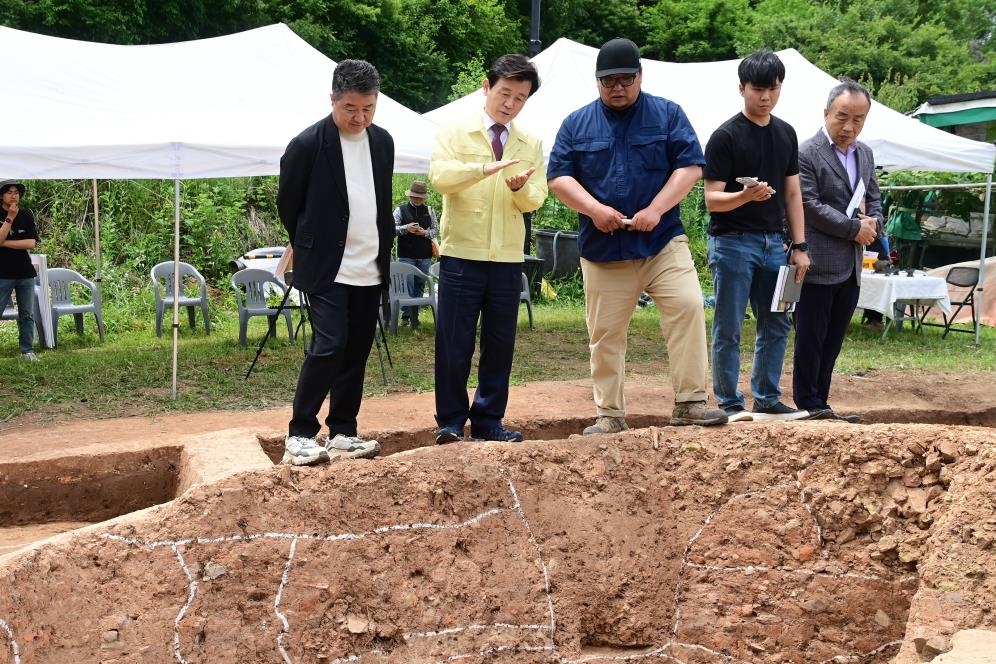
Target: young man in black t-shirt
18, 237
746, 241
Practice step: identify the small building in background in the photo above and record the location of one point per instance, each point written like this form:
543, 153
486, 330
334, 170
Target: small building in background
971, 115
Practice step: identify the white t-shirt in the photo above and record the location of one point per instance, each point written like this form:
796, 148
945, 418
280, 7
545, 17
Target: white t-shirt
359, 259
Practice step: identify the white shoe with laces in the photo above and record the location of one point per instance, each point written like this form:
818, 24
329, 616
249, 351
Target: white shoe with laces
301, 451
351, 447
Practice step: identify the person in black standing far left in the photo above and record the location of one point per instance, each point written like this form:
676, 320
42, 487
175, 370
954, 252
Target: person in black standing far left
18, 236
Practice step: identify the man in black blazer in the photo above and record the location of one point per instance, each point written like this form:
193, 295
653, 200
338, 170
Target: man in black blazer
334, 199
833, 165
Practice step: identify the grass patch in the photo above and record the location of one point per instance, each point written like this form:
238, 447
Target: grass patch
131, 373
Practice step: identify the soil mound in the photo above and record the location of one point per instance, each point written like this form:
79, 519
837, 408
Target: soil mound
804, 542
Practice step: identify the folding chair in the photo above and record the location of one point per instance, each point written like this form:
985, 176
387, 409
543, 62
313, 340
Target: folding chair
959, 277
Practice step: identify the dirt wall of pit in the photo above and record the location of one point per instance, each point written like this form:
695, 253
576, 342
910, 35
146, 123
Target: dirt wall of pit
795, 542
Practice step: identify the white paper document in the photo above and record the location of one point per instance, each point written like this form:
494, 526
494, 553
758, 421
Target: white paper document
856, 199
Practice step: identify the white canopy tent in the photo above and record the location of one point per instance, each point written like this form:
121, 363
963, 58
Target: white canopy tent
221, 107
708, 93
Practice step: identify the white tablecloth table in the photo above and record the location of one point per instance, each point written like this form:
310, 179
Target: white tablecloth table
892, 294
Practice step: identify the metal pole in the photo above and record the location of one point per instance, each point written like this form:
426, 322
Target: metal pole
96, 231
535, 45
176, 276
982, 256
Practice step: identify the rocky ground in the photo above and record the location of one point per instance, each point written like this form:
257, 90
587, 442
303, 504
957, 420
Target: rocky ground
803, 542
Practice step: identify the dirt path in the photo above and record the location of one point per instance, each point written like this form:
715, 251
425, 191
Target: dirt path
550, 408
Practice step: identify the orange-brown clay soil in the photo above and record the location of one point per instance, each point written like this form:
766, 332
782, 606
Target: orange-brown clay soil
805, 542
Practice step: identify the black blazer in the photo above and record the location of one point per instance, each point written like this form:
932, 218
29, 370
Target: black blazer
314, 207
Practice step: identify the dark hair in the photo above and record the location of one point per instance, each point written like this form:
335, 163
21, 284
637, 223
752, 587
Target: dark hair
355, 76
516, 67
762, 69
847, 85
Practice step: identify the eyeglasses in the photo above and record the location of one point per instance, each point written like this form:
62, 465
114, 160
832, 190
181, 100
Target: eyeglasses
625, 80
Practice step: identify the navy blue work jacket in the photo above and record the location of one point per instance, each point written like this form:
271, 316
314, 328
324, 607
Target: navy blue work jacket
624, 159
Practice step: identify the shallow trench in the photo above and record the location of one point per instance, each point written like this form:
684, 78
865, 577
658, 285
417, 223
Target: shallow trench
788, 542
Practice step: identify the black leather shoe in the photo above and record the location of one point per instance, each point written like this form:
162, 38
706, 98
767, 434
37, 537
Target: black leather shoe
448, 435
850, 419
499, 434
821, 414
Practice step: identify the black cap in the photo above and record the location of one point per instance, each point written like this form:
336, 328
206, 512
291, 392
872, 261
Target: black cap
7, 184
617, 56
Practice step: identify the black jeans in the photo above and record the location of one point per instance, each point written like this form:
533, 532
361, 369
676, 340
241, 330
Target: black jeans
344, 320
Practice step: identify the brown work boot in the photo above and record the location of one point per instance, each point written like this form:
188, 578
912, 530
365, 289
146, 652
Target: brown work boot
606, 424
696, 412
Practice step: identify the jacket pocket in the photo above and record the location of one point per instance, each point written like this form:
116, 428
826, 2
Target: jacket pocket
594, 156
650, 152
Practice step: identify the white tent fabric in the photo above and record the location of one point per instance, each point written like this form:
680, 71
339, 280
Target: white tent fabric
219, 107
707, 92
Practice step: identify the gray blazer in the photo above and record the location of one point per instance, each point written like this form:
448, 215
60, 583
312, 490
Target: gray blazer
826, 192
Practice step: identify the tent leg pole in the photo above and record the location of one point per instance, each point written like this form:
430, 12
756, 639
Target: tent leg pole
176, 275
982, 258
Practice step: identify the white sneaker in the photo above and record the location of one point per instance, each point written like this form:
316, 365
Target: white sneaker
301, 451
351, 447
739, 414
29, 357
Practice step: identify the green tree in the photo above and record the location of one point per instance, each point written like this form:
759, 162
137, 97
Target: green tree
695, 30
591, 22
906, 51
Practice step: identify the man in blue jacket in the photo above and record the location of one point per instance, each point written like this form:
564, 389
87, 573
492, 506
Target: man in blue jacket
624, 162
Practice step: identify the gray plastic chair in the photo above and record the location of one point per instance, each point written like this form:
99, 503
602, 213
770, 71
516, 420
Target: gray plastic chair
526, 296
60, 286
162, 284
398, 291
252, 286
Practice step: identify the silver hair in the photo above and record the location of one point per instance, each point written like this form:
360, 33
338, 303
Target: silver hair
846, 85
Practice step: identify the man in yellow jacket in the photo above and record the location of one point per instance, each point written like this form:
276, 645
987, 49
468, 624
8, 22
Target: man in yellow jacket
489, 172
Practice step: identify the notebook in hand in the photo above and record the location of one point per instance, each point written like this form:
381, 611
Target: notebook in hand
787, 292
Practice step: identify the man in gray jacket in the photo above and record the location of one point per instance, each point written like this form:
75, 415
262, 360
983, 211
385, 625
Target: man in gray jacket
843, 212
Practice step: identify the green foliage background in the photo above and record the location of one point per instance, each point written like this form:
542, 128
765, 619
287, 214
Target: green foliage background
432, 51
904, 50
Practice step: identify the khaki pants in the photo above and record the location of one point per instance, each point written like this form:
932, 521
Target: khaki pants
611, 291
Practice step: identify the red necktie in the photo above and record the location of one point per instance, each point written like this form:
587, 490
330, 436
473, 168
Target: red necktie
496, 145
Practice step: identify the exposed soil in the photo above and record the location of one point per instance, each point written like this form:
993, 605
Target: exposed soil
803, 542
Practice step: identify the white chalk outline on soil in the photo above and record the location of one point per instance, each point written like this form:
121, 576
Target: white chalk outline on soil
658, 652
13, 642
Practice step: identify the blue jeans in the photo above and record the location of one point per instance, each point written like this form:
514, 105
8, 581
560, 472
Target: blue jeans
744, 269
416, 285
25, 289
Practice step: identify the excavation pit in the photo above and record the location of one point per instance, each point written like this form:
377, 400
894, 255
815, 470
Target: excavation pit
786, 542
52, 495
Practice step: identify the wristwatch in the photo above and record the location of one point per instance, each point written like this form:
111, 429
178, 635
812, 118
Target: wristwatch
801, 246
